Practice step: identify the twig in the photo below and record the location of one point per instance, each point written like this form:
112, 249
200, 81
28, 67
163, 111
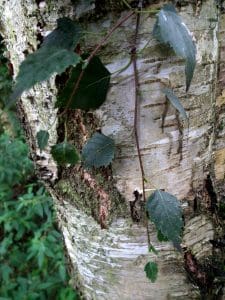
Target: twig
136, 82
93, 53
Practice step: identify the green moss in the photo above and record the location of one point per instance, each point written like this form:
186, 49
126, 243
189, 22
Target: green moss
86, 198
81, 196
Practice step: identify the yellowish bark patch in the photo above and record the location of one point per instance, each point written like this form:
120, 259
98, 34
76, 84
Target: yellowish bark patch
221, 99
220, 164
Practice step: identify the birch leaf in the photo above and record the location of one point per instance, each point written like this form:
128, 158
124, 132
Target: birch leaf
165, 211
175, 102
65, 153
99, 151
42, 139
92, 89
170, 29
151, 270
54, 56
161, 237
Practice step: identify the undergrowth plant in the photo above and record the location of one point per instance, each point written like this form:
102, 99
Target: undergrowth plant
86, 88
32, 262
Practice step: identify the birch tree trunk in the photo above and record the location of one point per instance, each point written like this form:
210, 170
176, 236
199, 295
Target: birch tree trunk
187, 162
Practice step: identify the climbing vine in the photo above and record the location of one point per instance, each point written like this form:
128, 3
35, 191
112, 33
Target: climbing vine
87, 87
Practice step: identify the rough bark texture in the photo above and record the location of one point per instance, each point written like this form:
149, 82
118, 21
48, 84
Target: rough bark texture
188, 162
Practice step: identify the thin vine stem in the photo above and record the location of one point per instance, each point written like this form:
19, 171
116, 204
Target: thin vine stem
136, 84
93, 53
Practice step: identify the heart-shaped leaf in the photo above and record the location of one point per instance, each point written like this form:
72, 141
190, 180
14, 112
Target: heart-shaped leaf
65, 153
92, 89
175, 102
170, 29
42, 139
151, 270
54, 56
99, 151
165, 211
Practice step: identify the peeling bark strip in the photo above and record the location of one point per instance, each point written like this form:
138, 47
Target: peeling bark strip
194, 269
104, 199
109, 263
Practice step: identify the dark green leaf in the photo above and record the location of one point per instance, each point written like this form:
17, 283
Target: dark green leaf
6, 270
161, 237
170, 28
54, 56
62, 272
99, 151
67, 293
38, 209
92, 89
47, 285
175, 102
64, 153
40, 258
66, 35
151, 270
42, 139
165, 211
14, 162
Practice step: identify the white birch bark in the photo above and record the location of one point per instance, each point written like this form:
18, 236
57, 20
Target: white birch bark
109, 263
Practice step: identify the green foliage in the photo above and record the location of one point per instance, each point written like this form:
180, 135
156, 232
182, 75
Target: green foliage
67, 294
32, 265
5, 76
161, 237
170, 29
5, 90
165, 211
5, 83
175, 102
54, 56
65, 36
42, 139
99, 151
65, 153
14, 163
92, 89
151, 270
